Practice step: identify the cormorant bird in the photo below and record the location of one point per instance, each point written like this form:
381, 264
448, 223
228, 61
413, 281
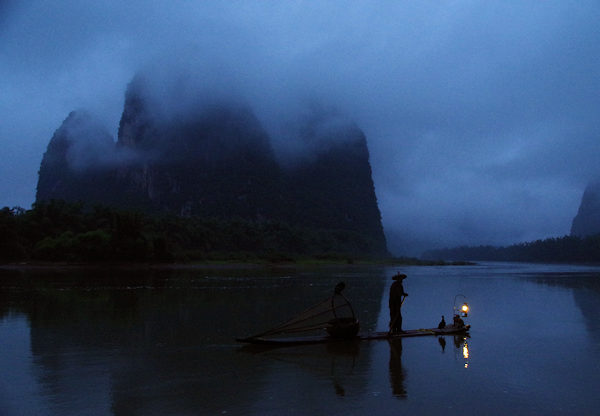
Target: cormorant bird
339, 287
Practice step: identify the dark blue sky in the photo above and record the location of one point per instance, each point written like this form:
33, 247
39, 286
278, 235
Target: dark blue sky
481, 117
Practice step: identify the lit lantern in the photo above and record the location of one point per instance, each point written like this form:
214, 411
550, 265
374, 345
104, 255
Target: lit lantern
464, 310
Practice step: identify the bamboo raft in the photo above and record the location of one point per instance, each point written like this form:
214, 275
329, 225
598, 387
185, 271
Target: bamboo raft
322, 339
336, 317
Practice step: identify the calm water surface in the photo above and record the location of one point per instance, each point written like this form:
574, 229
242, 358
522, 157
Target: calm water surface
161, 342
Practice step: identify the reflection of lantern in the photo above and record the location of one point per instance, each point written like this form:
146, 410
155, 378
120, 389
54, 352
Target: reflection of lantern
464, 310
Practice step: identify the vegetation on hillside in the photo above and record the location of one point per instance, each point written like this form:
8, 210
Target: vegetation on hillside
62, 231
567, 249
218, 162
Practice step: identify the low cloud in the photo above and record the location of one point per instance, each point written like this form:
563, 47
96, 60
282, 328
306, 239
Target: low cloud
481, 118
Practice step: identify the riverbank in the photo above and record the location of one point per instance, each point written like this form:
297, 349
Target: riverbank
233, 264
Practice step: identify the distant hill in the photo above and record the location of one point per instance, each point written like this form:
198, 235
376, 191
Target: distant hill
581, 246
567, 249
587, 220
74, 162
215, 161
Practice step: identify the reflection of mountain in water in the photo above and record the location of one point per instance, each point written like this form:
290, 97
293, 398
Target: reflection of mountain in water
588, 300
586, 294
144, 341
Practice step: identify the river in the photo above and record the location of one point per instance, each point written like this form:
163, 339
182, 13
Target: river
151, 341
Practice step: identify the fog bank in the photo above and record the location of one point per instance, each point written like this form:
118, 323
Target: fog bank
481, 118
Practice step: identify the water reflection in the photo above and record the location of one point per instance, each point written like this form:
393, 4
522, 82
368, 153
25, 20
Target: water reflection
156, 342
150, 341
344, 365
460, 345
465, 351
585, 289
442, 342
337, 362
397, 373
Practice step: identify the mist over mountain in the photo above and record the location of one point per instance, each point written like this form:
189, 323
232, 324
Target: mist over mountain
481, 117
587, 220
212, 157
581, 246
80, 158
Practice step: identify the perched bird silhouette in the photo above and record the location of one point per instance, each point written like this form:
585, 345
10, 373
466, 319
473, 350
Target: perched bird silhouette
339, 287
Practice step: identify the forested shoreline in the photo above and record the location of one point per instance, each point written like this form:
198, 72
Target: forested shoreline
567, 249
61, 231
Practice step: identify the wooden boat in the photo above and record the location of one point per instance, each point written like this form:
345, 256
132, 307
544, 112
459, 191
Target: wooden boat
322, 339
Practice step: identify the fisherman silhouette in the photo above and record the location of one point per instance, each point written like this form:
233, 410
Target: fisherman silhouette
397, 294
442, 323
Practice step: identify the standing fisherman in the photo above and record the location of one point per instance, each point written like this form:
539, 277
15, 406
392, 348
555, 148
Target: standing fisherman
397, 295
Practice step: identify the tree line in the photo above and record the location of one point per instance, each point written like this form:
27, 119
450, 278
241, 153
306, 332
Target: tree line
62, 231
567, 249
